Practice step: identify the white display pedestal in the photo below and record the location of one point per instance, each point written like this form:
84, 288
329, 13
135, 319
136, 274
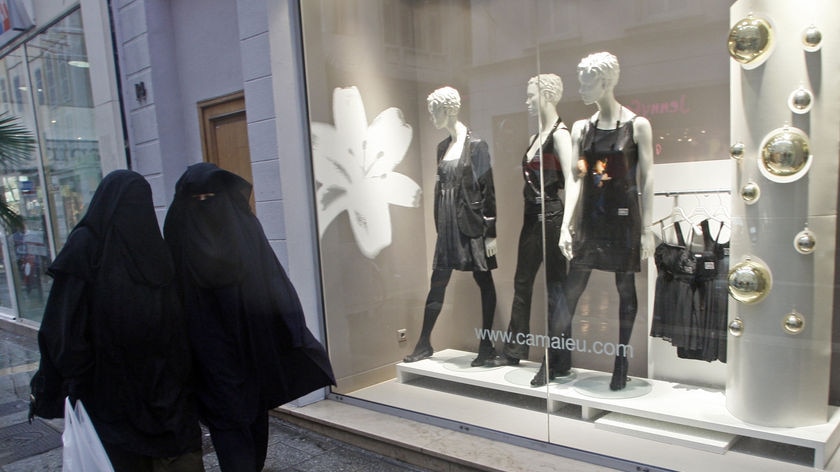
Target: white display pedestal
670, 412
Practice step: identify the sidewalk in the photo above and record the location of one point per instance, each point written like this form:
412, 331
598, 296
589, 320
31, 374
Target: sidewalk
27, 448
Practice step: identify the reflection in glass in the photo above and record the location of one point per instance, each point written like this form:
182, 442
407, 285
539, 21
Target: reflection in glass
23, 191
800, 100
805, 241
749, 281
64, 104
812, 39
793, 322
785, 155
750, 193
46, 82
736, 327
751, 41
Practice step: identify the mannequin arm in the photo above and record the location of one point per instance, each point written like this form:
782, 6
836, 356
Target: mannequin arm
644, 141
573, 186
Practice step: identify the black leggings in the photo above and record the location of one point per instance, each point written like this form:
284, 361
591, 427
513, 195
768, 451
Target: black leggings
576, 282
437, 291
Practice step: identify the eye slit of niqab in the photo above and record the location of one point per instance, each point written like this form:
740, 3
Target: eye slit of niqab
203, 196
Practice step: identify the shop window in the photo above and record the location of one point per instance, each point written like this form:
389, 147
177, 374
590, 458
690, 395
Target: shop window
656, 343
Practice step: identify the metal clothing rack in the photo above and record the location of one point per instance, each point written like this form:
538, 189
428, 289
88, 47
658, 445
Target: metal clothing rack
691, 192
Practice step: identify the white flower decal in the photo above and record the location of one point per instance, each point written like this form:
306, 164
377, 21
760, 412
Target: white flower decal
354, 164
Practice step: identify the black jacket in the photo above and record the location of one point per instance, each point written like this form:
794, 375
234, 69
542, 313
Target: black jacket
477, 199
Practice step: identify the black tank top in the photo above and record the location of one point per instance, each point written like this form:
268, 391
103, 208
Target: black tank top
545, 160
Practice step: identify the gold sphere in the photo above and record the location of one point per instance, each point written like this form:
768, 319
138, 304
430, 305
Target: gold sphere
750, 41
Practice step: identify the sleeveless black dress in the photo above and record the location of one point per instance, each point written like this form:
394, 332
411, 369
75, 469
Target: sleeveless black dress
609, 232
673, 305
710, 300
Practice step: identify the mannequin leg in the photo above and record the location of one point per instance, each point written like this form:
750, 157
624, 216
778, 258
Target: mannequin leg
484, 279
528, 260
575, 285
555, 364
434, 303
625, 282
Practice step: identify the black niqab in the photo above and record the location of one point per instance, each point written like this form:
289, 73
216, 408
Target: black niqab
246, 322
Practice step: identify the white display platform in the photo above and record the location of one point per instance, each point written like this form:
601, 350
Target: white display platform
665, 402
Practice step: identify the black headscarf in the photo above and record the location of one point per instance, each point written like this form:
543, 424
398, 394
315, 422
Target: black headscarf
113, 332
119, 219
246, 322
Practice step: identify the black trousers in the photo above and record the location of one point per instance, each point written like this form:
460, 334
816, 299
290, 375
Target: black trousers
242, 449
529, 259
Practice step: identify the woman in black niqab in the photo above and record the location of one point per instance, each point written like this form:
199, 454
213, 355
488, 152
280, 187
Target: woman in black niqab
113, 333
252, 348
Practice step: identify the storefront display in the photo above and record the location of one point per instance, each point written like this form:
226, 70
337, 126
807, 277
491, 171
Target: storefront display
643, 281
465, 221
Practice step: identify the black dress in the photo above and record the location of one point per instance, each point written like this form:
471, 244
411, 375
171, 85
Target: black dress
673, 305
710, 300
113, 332
465, 208
609, 233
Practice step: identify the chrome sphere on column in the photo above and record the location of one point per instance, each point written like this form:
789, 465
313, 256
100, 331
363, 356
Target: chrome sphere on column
749, 281
793, 322
805, 241
785, 155
800, 101
812, 38
750, 193
736, 327
736, 151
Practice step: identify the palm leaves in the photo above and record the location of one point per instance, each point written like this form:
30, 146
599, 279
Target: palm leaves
16, 146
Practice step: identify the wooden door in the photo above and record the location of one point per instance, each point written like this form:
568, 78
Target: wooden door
224, 135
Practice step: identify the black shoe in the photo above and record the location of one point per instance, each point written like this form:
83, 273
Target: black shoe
540, 379
502, 360
420, 353
619, 376
485, 354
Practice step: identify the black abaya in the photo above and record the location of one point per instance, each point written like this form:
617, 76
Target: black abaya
247, 327
113, 332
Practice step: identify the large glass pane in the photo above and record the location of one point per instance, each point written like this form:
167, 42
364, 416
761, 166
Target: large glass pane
23, 190
418, 292
60, 77
46, 84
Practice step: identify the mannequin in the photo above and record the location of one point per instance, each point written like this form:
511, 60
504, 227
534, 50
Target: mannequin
465, 220
545, 164
615, 195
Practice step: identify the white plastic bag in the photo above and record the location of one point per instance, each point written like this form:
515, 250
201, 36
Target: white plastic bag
83, 451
